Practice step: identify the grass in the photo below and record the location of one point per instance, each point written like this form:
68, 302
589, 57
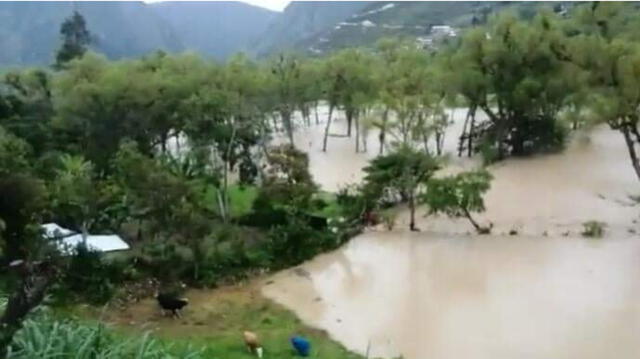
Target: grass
240, 197
332, 208
215, 320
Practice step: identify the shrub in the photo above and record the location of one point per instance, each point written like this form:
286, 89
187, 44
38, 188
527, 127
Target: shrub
593, 229
389, 220
46, 338
93, 277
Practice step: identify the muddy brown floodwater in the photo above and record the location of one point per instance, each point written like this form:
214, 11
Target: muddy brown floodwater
446, 297
446, 294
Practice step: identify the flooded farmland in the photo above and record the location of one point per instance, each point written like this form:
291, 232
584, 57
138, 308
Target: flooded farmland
444, 293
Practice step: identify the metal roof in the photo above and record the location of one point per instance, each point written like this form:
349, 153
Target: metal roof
67, 240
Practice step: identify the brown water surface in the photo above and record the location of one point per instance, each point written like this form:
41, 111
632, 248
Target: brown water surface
442, 294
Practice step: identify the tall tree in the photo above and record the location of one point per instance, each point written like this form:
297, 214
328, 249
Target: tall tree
286, 73
519, 79
75, 39
605, 46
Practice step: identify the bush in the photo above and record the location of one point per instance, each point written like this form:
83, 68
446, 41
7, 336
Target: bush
46, 338
296, 242
93, 277
593, 229
389, 220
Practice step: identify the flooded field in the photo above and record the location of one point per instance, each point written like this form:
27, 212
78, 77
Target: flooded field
450, 297
445, 294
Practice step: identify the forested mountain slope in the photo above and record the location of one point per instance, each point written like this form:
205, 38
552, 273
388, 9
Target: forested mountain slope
29, 31
217, 29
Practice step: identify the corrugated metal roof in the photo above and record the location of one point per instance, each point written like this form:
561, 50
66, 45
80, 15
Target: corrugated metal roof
68, 240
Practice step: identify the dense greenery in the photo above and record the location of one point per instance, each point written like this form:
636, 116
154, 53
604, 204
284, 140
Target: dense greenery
185, 157
459, 195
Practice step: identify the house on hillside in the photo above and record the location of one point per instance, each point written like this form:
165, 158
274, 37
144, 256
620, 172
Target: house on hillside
441, 31
67, 240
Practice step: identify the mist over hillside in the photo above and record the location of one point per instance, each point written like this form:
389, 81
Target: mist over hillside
29, 31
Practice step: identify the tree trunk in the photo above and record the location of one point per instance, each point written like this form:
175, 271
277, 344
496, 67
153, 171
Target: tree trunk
316, 111
288, 126
326, 130
472, 128
29, 294
632, 149
383, 130
412, 213
225, 183
356, 123
464, 134
349, 114
473, 222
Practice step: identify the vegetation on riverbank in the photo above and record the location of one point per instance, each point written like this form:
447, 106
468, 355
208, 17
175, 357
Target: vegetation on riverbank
213, 330
176, 153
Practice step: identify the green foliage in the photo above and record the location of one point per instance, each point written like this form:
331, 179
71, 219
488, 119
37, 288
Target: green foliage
296, 241
516, 73
399, 173
75, 39
459, 195
14, 154
91, 276
22, 202
287, 181
45, 337
593, 229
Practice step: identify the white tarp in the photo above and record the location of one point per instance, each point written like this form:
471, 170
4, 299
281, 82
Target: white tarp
68, 240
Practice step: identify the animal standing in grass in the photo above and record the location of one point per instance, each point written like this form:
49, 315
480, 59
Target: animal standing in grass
172, 304
252, 343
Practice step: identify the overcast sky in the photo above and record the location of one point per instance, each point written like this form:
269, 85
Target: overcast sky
277, 5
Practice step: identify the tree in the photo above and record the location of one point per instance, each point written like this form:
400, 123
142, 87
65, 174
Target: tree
15, 154
601, 47
515, 72
349, 84
75, 193
403, 173
287, 180
459, 195
32, 268
75, 39
26, 107
286, 72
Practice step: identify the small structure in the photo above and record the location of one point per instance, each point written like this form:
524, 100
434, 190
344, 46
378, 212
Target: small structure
368, 23
67, 240
443, 31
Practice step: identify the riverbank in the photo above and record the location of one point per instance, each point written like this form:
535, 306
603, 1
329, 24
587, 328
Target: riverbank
215, 320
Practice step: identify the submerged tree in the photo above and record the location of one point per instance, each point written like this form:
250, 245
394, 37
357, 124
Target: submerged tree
286, 73
601, 46
402, 173
515, 72
75, 39
459, 195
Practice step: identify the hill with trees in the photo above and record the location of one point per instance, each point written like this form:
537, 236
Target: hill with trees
29, 30
217, 29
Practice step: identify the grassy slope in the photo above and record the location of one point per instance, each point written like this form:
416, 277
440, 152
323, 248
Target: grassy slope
215, 320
